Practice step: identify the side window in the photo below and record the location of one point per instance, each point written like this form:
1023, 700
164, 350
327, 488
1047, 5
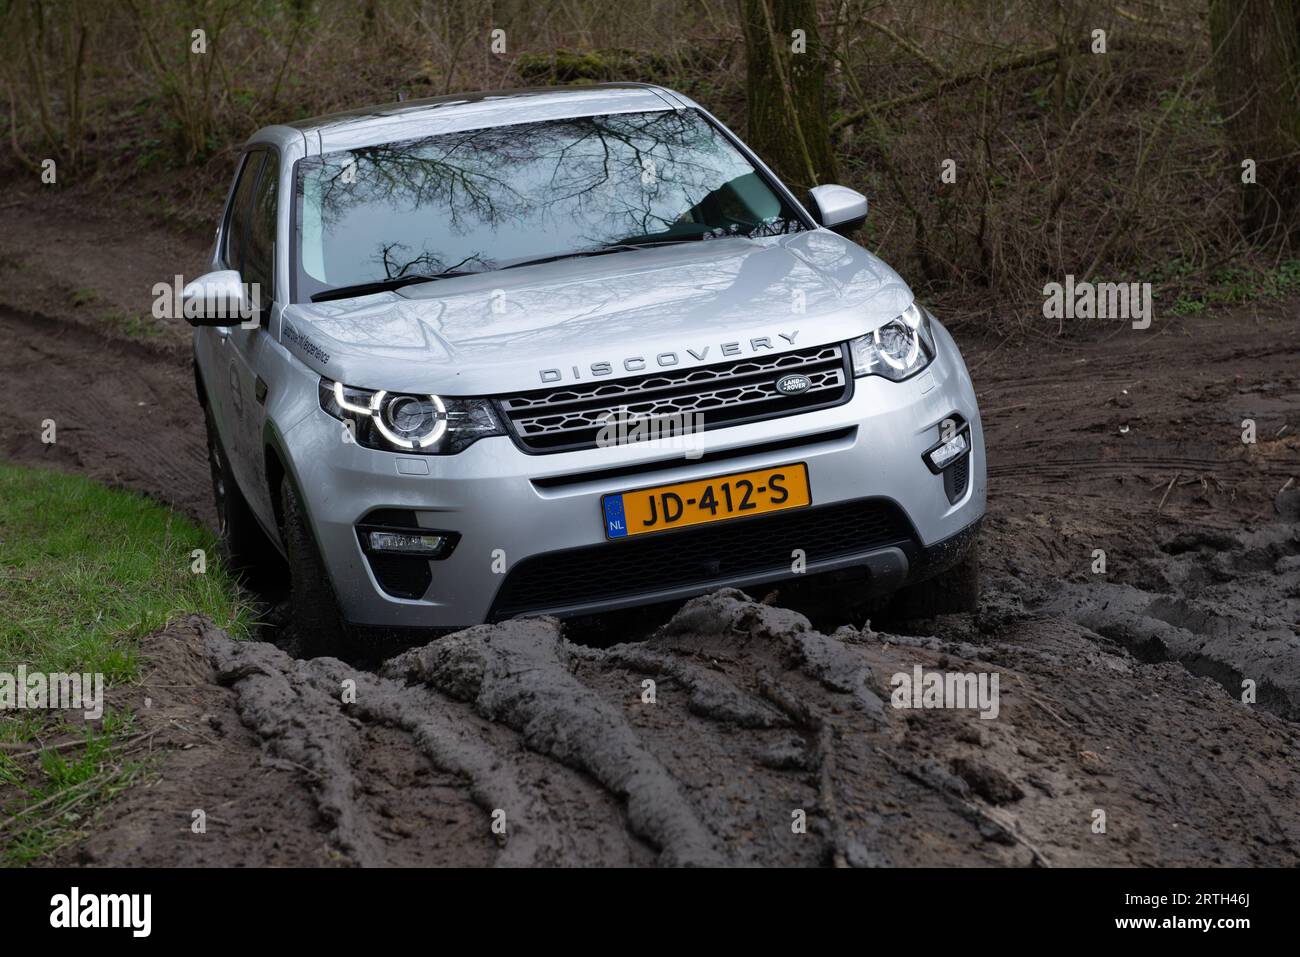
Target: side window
259, 263
237, 218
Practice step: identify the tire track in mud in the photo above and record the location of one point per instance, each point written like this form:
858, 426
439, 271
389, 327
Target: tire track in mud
755, 718
520, 675
310, 712
1222, 603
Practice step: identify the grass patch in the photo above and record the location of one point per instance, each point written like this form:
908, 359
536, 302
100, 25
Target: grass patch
131, 325
1239, 284
68, 788
85, 573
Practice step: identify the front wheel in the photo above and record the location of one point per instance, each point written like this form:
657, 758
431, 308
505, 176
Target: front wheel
249, 553
315, 622
948, 593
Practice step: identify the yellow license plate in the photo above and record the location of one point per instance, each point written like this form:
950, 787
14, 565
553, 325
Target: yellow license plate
707, 500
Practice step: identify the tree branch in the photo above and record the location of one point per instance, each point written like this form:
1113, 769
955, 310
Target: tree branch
1020, 62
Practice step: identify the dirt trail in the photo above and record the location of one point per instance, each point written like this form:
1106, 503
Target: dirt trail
1120, 691
124, 413
81, 260
1224, 605
755, 719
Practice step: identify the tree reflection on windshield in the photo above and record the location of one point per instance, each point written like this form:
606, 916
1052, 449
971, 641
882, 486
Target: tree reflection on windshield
481, 199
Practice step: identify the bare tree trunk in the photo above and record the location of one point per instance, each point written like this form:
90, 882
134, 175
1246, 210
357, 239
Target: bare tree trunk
786, 85
1257, 79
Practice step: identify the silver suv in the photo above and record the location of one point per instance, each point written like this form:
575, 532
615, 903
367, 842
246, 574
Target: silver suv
566, 351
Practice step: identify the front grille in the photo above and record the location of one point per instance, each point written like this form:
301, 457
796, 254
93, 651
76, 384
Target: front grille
727, 393
698, 557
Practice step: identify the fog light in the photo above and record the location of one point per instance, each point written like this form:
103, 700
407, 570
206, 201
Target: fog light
949, 452
406, 543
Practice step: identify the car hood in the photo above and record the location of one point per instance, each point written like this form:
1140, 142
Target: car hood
625, 313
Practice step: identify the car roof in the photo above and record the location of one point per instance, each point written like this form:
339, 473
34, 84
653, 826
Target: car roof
408, 119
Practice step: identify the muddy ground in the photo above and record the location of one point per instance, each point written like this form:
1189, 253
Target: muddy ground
1120, 692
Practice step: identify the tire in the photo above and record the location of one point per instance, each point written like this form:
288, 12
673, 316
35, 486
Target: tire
249, 553
951, 592
314, 617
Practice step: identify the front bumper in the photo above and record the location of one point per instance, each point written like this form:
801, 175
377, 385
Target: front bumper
513, 511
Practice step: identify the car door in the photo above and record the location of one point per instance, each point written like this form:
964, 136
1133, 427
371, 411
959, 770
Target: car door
216, 355
247, 342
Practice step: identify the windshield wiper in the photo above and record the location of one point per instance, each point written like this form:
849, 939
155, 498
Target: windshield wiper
397, 282
596, 251
383, 285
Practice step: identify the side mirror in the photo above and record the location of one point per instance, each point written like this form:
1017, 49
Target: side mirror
218, 299
839, 208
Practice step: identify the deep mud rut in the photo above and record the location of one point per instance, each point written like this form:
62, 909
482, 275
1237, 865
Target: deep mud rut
1120, 692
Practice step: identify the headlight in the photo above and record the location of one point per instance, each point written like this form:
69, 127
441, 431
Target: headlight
399, 422
897, 349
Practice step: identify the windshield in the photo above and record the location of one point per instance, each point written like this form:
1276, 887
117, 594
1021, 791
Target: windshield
490, 198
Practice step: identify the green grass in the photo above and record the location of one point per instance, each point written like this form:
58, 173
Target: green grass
20, 726
1232, 285
131, 325
85, 573
55, 791
56, 807
72, 767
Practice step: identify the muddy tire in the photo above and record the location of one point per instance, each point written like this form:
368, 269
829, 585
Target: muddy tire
315, 622
247, 550
948, 593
